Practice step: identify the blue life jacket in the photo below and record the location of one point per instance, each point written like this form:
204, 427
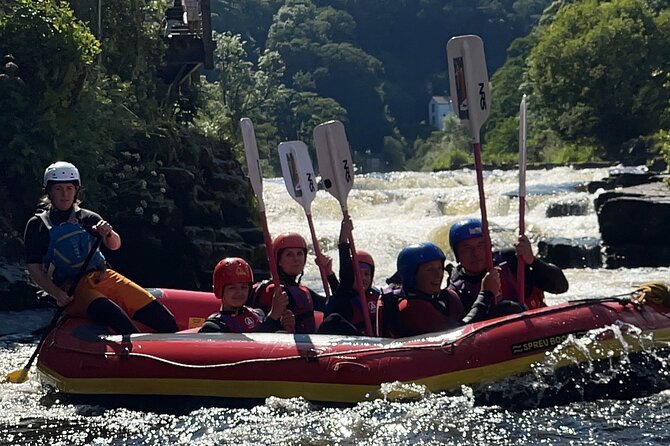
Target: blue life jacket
69, 245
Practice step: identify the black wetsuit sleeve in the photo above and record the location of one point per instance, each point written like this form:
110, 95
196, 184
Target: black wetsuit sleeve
36, 240
340, 301
213, 327
480, 308
318, 300
346, 267
269, 325
545, 276
333, 282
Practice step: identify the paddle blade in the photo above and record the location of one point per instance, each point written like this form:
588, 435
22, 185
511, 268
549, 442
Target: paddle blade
522, 147
17, 376
469, 81
253, 163
298, 172
334, 157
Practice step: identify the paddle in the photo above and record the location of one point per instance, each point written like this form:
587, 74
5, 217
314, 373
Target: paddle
300, 181
256, 178
470, 94
21, 375
336, 168
521, 265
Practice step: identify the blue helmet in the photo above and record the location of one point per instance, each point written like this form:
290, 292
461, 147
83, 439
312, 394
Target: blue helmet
412, 256
464, 230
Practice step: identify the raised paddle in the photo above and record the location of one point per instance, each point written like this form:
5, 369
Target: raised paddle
337, 173
300, 181
21, 375
256, 178
521, 265
471, 97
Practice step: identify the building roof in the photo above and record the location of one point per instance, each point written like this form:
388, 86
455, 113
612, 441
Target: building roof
441, 99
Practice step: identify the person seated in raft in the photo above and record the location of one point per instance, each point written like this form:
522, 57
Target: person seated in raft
58, 239
232, 280
344, 314
466, 279
417, 304
290, 256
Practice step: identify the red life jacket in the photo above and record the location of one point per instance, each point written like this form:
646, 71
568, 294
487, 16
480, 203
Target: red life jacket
299, 302
534, 297
245, 321
401, 316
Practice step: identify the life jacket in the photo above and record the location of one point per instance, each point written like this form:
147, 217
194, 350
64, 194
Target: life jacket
299, 302
247, 320
357, 318
69, 245
534, 297
400, 315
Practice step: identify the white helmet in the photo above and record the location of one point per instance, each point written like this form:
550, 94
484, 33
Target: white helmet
61, 172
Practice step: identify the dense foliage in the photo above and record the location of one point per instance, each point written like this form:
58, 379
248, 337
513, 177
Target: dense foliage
101, 110
595, 73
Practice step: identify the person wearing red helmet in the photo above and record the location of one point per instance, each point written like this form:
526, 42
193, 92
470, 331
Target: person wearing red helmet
232, 281
467, 244
344, 314
58, 239
290, 256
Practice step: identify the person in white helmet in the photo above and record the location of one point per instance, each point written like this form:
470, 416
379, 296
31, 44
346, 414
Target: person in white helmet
58, 239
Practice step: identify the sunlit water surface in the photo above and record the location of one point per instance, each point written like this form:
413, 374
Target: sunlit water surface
389, 211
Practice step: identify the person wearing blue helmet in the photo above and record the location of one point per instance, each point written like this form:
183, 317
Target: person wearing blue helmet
467, 244
419, 304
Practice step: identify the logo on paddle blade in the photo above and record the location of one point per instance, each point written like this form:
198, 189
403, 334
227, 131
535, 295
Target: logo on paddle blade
461, 89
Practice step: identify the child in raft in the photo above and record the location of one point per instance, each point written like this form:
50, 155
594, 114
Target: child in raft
290, 256
232, 281
344, 313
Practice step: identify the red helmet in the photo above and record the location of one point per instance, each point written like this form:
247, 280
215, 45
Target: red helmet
229, 271
365, 257
288, 240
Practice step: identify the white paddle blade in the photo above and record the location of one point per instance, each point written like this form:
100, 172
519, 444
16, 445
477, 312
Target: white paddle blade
334, 157
253, 163
522, 146
298, 172
469, 81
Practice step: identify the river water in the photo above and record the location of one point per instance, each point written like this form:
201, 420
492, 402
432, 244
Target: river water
389, 211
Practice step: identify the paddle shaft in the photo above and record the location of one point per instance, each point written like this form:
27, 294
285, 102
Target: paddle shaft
476, 148
256, 179
357, 275
268, 248
59, 311
317, 251
521, 265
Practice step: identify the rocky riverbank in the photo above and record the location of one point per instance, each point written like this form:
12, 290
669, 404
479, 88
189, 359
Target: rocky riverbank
634, 218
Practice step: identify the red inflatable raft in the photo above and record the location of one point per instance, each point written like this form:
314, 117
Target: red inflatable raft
78, 358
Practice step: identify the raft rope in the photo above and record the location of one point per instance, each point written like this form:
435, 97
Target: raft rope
309, 357
656, 292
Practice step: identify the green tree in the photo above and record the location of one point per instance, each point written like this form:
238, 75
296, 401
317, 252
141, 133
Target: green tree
34, 114
596, 70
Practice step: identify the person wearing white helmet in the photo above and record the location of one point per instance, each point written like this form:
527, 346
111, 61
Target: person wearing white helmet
58, 239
